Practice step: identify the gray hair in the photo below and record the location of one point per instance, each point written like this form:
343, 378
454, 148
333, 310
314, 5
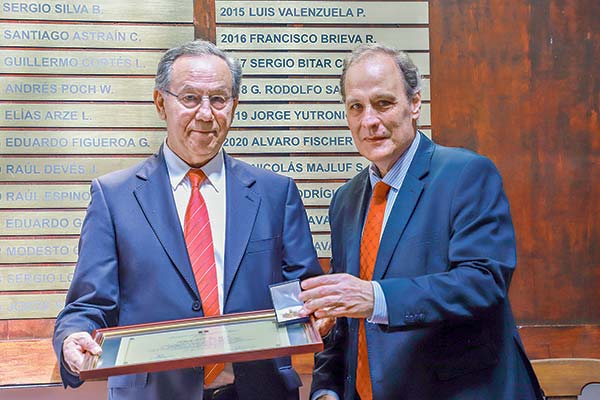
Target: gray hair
408, 69
196, 48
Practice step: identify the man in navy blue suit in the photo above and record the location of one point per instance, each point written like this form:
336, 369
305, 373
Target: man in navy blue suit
433, 309
133, 265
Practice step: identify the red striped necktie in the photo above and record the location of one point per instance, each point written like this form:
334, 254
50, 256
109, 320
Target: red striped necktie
369, 246
199, 243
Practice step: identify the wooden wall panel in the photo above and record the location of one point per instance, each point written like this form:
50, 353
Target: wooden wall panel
28, 362
204, 20
575, 341
520, 82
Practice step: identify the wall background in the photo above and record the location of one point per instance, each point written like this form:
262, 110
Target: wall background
519, 83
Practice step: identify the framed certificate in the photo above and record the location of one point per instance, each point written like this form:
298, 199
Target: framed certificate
196, 342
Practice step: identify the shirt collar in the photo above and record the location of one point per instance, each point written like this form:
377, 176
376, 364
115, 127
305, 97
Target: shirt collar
396, 174
178, 169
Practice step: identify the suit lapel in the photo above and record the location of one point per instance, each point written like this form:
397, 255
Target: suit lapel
401, 211
242, 208
355, 220
155, 197
406, 201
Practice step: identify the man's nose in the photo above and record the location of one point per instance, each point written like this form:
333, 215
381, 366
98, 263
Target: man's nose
370, 117
204, 111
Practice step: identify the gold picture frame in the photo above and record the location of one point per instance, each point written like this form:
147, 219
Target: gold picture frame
198, 341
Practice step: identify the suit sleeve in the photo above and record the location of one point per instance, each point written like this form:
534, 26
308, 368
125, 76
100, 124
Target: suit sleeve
329, 367
481, 257
93, 296
299, 256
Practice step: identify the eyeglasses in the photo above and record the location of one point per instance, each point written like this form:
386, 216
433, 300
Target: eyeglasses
191, 100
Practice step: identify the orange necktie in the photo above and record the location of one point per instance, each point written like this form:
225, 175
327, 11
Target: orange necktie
198, 239
369, 246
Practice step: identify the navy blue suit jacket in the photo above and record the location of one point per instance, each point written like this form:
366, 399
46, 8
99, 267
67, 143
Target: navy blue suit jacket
445, 262
133, 268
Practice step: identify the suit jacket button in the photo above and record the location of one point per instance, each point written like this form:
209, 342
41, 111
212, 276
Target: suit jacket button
197, 306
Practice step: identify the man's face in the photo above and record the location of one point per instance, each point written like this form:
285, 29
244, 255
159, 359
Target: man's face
382, 120
196, 134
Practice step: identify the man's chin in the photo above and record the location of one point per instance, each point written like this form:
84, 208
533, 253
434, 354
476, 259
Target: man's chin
200, 155
375, 151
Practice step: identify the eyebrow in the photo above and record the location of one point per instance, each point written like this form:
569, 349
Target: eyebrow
219, 90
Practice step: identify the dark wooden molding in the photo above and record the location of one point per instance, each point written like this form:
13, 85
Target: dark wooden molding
566, 341
204, 20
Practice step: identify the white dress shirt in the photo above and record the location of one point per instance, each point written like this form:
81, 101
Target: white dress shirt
215, 196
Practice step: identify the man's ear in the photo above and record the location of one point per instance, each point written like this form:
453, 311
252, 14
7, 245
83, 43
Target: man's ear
234, 106
415, 106
159, 103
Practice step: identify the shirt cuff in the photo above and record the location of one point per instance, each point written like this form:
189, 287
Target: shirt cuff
380, 313
323, 392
